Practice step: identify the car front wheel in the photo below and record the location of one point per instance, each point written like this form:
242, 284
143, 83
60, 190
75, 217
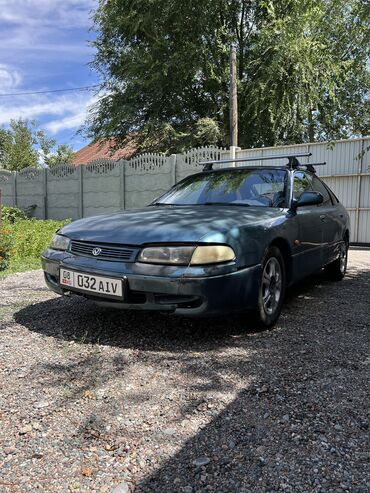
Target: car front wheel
272, 288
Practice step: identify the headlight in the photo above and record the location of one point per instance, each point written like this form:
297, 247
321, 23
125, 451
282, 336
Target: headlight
179, 255
185, 255
59, 242
212, 254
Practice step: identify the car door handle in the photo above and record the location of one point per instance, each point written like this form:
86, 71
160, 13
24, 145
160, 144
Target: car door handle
322, 217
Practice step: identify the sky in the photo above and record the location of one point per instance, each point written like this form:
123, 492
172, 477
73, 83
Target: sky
44, 45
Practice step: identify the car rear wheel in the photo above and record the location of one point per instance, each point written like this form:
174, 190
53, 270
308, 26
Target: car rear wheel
337, 270
272, 288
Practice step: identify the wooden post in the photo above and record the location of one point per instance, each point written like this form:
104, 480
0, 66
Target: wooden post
233, 105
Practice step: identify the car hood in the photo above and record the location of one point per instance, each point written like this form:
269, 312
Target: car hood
157, 224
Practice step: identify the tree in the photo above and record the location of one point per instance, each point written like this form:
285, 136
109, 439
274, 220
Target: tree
301, 68
23, 145
17, 145
310, 83
62, 154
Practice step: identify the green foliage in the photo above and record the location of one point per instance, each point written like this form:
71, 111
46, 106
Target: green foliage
165, 67
52, 155
23, 241
6, 245
23, 145
32, 236
17, 145
312, 77
63, 154
168, 139
12, 214
207, 132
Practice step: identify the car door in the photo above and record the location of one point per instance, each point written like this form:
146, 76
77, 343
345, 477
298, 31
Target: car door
330, 217
309, 252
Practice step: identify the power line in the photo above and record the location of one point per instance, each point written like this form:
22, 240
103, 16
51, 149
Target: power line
47, 92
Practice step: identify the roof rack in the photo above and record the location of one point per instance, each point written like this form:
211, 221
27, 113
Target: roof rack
293, 162
310, 167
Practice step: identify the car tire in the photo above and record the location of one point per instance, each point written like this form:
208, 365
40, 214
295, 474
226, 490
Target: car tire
337, 270
272, 288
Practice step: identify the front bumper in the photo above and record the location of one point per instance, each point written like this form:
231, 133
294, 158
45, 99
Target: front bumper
183, 291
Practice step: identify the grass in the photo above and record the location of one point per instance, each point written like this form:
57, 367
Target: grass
22, 243
21, 265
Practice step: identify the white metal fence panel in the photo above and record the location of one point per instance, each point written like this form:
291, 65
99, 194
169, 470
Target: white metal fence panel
267, 151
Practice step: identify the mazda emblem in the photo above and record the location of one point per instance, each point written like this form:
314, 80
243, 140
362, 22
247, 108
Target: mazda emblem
96, 251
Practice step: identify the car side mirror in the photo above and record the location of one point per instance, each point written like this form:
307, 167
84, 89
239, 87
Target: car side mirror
308, 198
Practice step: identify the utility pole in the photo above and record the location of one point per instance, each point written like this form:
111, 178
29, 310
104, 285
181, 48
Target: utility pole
233, 104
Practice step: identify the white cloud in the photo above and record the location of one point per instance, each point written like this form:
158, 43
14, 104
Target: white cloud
66, 123
10, 78
37, 106
36, 27
74, 120
45, 47
57, 112
47, 13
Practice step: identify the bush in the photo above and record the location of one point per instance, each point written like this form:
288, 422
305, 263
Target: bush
12, 214
6, 245
32, 236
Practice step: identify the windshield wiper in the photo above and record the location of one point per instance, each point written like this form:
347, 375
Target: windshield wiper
226, 203
238, 204
160, 203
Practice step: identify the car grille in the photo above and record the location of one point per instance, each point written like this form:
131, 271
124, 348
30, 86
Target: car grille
107, 251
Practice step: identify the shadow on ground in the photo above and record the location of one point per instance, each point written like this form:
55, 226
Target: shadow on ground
304, 382
76, 319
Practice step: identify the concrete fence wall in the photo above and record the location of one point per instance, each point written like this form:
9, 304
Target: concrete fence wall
101, 186
107, 186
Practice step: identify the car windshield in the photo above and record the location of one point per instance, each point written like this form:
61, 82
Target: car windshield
244, 187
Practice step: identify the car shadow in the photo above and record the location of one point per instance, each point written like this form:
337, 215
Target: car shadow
73, 318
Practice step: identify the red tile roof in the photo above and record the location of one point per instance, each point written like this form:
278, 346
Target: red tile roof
103, 150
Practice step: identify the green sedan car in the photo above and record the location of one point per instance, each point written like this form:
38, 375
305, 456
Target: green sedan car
223, 240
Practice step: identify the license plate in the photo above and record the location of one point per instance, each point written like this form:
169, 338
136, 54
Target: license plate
91, 283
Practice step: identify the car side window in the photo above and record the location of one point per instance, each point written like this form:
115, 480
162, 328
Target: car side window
302, 183
318, 186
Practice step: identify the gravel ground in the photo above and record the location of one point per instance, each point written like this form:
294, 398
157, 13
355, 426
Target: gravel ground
93, 400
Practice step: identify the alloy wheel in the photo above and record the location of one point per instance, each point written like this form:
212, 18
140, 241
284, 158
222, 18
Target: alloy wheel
271, 285
343, 258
